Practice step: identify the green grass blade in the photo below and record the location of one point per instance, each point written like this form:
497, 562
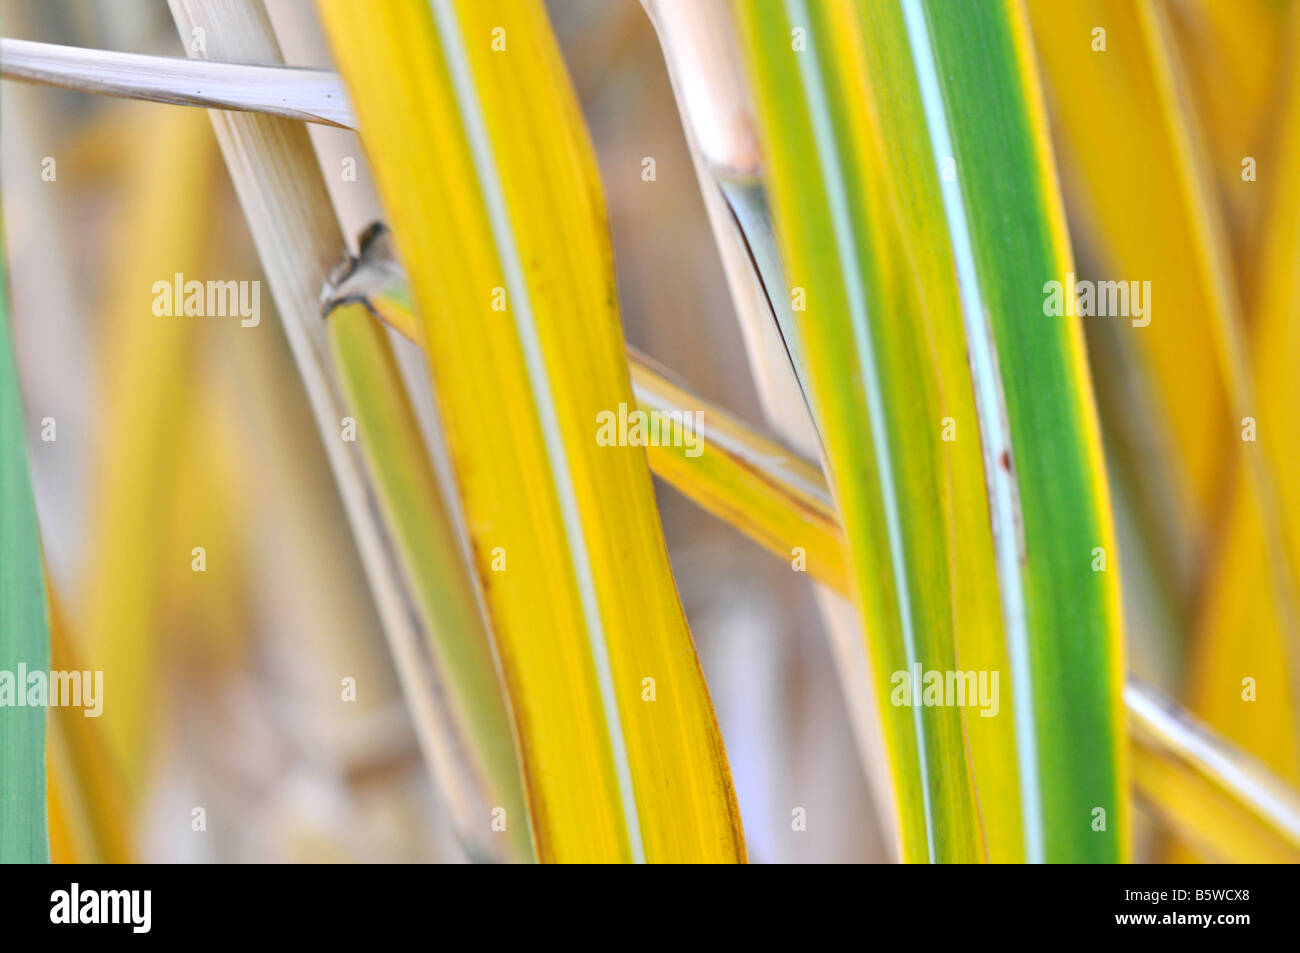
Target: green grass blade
24, 628
429, 552
917, 211
985, 71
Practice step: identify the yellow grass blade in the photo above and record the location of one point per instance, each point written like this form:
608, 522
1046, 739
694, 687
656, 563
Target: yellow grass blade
147, 406
1233, 54
1212, 795
1150, 214
482, 162
89, 804
1214, 485
210, 460
735, 477
743, 478
1239, 676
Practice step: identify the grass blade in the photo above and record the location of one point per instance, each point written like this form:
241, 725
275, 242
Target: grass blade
24, 626
1153, 214
1241, 635
744, 479
698, 39
89, 802
482, 163
284, 198
310, 95
427, 543
1023, 397
1205, 789
150, 360
1149, 214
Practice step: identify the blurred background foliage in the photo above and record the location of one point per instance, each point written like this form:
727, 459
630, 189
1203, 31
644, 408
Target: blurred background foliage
225, 684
